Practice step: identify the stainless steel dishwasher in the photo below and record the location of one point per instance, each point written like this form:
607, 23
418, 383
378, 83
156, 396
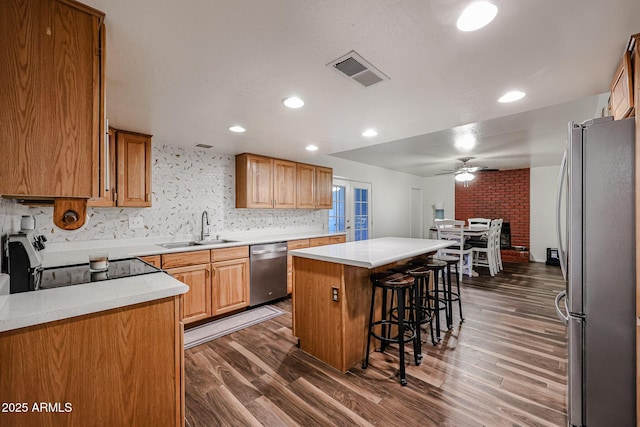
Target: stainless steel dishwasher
268, 272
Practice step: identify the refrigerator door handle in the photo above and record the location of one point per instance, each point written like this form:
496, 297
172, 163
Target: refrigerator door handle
561, 252
561, 315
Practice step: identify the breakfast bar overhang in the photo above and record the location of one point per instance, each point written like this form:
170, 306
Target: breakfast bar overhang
332, 293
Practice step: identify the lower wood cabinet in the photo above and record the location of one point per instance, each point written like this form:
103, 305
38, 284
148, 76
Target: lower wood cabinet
218, 281
230, 285
291, 245
120, 367
195, 304
307, 243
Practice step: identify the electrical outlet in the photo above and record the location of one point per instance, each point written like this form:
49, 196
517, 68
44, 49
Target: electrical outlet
334, 294
136, 222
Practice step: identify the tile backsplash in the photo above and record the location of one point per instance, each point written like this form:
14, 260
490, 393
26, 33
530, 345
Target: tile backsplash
185, 182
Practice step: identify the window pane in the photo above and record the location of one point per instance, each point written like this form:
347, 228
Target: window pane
364, 208
364, 195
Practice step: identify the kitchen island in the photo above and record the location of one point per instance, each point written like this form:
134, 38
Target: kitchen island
332, 293
101, 353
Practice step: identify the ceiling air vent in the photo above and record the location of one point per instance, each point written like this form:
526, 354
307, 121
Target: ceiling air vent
357, 68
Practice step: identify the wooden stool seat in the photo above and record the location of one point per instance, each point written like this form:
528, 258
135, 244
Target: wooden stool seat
401, 287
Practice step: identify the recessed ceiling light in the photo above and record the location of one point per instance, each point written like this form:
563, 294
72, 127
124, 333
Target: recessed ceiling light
311, 148
465, 142
476, 16
514, 95
237, 129
293, 102
369, 132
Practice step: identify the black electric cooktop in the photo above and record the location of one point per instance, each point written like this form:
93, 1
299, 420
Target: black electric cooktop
56, 277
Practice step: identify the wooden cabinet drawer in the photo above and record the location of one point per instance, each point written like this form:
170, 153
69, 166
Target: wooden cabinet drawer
184, 259
229, 253
319, 241
298, 244
337, 239
153, 260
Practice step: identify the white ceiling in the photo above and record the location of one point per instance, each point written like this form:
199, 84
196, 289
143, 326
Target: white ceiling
186, 71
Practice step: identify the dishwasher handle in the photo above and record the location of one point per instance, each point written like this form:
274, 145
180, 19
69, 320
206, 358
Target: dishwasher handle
267, 252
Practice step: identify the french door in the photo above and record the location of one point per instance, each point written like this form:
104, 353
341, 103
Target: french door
351, 211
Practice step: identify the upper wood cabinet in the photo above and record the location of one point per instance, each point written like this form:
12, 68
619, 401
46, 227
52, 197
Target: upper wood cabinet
50, 98
622, 89
284, 184
125, 170
134, 169
314, 187
306, 182
324, 188
267, 183
254, 181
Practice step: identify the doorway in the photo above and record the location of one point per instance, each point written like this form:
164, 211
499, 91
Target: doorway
351, 211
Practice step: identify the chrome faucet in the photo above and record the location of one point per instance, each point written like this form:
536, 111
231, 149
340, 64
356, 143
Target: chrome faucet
204, 234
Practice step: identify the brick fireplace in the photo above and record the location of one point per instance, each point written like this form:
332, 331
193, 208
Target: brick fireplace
503, 194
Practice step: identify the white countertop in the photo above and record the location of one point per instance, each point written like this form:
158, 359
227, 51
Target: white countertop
33, 308
374, 252
78, 252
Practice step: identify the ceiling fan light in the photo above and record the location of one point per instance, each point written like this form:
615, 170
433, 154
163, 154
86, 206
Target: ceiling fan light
464, 177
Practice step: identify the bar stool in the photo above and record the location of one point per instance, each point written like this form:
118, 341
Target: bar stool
438, 269
400, 286
452, 296
424, 311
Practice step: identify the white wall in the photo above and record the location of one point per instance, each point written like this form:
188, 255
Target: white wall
542, 226
439, 189
390, 193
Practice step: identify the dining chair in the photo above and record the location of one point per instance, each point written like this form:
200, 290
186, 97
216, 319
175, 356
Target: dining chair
498, 233
485, 256
450, 229
478, 240
479, 221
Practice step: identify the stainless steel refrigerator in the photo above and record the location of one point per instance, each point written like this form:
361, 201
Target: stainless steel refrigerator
598, 264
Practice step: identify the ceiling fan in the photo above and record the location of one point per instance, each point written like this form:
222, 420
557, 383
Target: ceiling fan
465, 172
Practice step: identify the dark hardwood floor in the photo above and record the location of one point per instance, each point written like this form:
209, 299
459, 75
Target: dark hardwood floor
505, 365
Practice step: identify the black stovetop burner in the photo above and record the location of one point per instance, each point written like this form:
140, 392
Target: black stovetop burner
56, 277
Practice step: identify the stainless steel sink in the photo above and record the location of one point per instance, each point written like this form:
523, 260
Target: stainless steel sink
177, 245
214, 242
